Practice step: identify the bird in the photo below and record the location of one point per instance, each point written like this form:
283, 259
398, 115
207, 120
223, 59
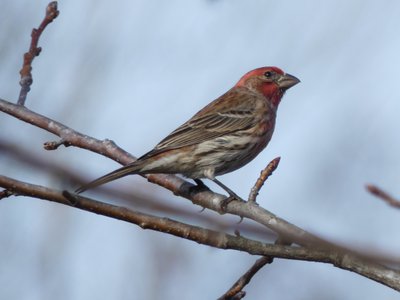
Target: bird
222, 137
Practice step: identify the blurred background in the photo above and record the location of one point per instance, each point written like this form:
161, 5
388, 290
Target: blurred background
132, 72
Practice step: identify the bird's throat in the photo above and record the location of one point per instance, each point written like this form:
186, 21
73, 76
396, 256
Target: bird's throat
272, 93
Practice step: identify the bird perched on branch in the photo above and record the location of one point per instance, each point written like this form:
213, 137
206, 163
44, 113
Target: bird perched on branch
222, 137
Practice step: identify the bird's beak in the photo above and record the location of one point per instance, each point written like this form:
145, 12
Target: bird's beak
287, 81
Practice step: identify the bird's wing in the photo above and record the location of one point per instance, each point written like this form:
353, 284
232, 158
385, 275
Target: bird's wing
216, 119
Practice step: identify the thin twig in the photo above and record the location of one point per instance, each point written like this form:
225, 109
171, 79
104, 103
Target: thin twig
236, 290
34, 50
374, 190
271, 167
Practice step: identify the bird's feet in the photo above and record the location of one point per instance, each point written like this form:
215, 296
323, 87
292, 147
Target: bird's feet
232, 195
224, 203
199, 187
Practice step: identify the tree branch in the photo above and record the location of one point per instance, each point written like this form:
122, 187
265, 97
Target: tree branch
141, 201
271, 167
312, 248
236, 290
178, 186
211, 200
381, 194
166, 225
347, 261
34, 50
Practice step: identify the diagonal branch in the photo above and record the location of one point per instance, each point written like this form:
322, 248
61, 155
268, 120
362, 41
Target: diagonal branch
166, 225
236, 290
372, 270
176, 185
208, 199
312, 248
381, 194
142, 201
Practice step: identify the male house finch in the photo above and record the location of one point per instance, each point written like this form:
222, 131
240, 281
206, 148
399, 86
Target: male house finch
222, 137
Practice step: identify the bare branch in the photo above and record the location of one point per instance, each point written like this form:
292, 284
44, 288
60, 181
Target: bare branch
141, 200
271, 167
34, 50
107, 148
178, 186
312, 248
235, 292
346, 261
147, 221
374, 190
175, 184
209, 200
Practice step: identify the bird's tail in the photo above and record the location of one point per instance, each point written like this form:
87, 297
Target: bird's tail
132, 168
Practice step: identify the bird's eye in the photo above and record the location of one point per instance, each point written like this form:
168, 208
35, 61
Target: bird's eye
268, 74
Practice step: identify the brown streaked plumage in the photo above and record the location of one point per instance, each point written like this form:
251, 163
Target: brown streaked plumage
222, 137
